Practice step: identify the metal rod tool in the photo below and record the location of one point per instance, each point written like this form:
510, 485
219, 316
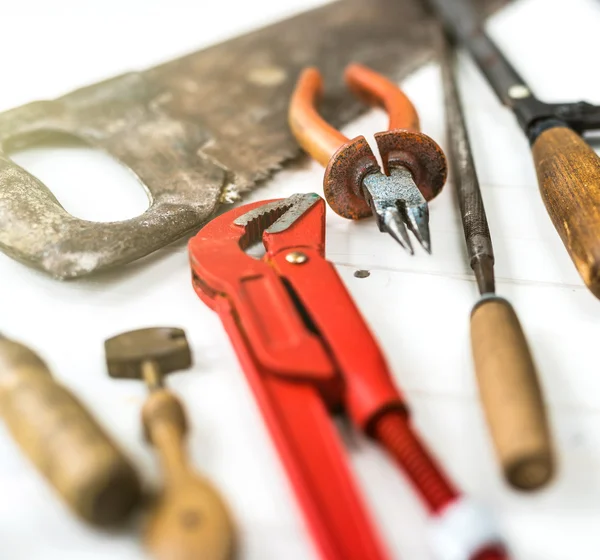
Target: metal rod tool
505, 371
54, 429
568, 169
190, 521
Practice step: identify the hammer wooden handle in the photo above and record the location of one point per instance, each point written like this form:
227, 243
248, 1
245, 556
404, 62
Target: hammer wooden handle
63, 440
190, 520
511, 395
569, 176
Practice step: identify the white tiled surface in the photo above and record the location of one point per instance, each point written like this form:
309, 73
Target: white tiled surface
418, 306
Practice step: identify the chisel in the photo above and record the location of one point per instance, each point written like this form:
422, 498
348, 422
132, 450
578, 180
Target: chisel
506, 375
568, 169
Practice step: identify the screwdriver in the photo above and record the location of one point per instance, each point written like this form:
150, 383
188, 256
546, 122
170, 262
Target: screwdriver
63, 440
505, 371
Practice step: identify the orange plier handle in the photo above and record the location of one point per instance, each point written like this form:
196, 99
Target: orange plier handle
319, 138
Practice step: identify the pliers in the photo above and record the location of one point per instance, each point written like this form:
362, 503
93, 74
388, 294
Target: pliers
307, 352
414, 166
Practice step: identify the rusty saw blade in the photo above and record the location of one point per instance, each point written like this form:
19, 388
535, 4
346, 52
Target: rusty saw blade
195, 130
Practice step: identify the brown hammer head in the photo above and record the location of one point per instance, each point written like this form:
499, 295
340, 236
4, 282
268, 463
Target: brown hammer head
167, 347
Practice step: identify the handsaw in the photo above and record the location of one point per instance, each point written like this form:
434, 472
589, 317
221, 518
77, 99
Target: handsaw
196, 131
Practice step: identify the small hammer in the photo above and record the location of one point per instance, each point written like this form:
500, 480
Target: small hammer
190, 520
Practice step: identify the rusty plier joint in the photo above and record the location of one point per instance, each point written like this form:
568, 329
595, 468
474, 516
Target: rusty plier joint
414, 167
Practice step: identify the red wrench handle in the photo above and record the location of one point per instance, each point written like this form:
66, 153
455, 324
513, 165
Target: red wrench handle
368, 385
371, 398
312, 455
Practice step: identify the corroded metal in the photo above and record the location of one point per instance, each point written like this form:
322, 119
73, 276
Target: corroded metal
344, 177
195, 131
419, 154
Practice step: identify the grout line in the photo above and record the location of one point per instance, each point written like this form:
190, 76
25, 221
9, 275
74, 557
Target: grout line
468, 277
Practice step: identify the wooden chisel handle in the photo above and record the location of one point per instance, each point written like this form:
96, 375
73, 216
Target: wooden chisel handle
511, 394
569, 177
63, 440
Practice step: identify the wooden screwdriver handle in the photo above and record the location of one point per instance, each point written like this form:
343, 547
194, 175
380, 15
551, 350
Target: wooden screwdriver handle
569, 177
63, 440
190, 520
511, 394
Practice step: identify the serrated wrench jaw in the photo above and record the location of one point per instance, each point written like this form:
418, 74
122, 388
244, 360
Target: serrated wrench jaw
274, 217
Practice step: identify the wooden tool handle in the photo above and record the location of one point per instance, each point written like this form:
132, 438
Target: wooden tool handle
190, 521
511, 394
63, 440
569, 176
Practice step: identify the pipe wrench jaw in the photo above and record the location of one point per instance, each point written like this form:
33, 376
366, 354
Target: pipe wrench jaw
257, 292
230, 235
296, 221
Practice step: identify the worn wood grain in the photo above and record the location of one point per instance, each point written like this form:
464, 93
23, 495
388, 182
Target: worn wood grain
62, 439
190, 520
511, 395
569, 176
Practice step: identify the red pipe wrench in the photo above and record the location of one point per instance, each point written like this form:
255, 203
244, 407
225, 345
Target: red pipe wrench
306, 351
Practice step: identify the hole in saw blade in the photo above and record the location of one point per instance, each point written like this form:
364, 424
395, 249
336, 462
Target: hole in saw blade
88, 183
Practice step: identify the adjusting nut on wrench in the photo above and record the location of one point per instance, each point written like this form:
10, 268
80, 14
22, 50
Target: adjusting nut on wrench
414, 166
190, 520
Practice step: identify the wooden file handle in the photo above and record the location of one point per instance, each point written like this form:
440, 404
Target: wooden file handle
190, 520
569, 176
511, 395
63, 440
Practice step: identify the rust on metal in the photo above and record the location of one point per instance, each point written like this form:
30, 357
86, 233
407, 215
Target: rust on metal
343, 180
417, 152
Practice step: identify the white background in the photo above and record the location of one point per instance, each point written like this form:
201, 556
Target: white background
418, 306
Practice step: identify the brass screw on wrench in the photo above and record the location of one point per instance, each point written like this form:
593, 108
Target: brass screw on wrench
190, 520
